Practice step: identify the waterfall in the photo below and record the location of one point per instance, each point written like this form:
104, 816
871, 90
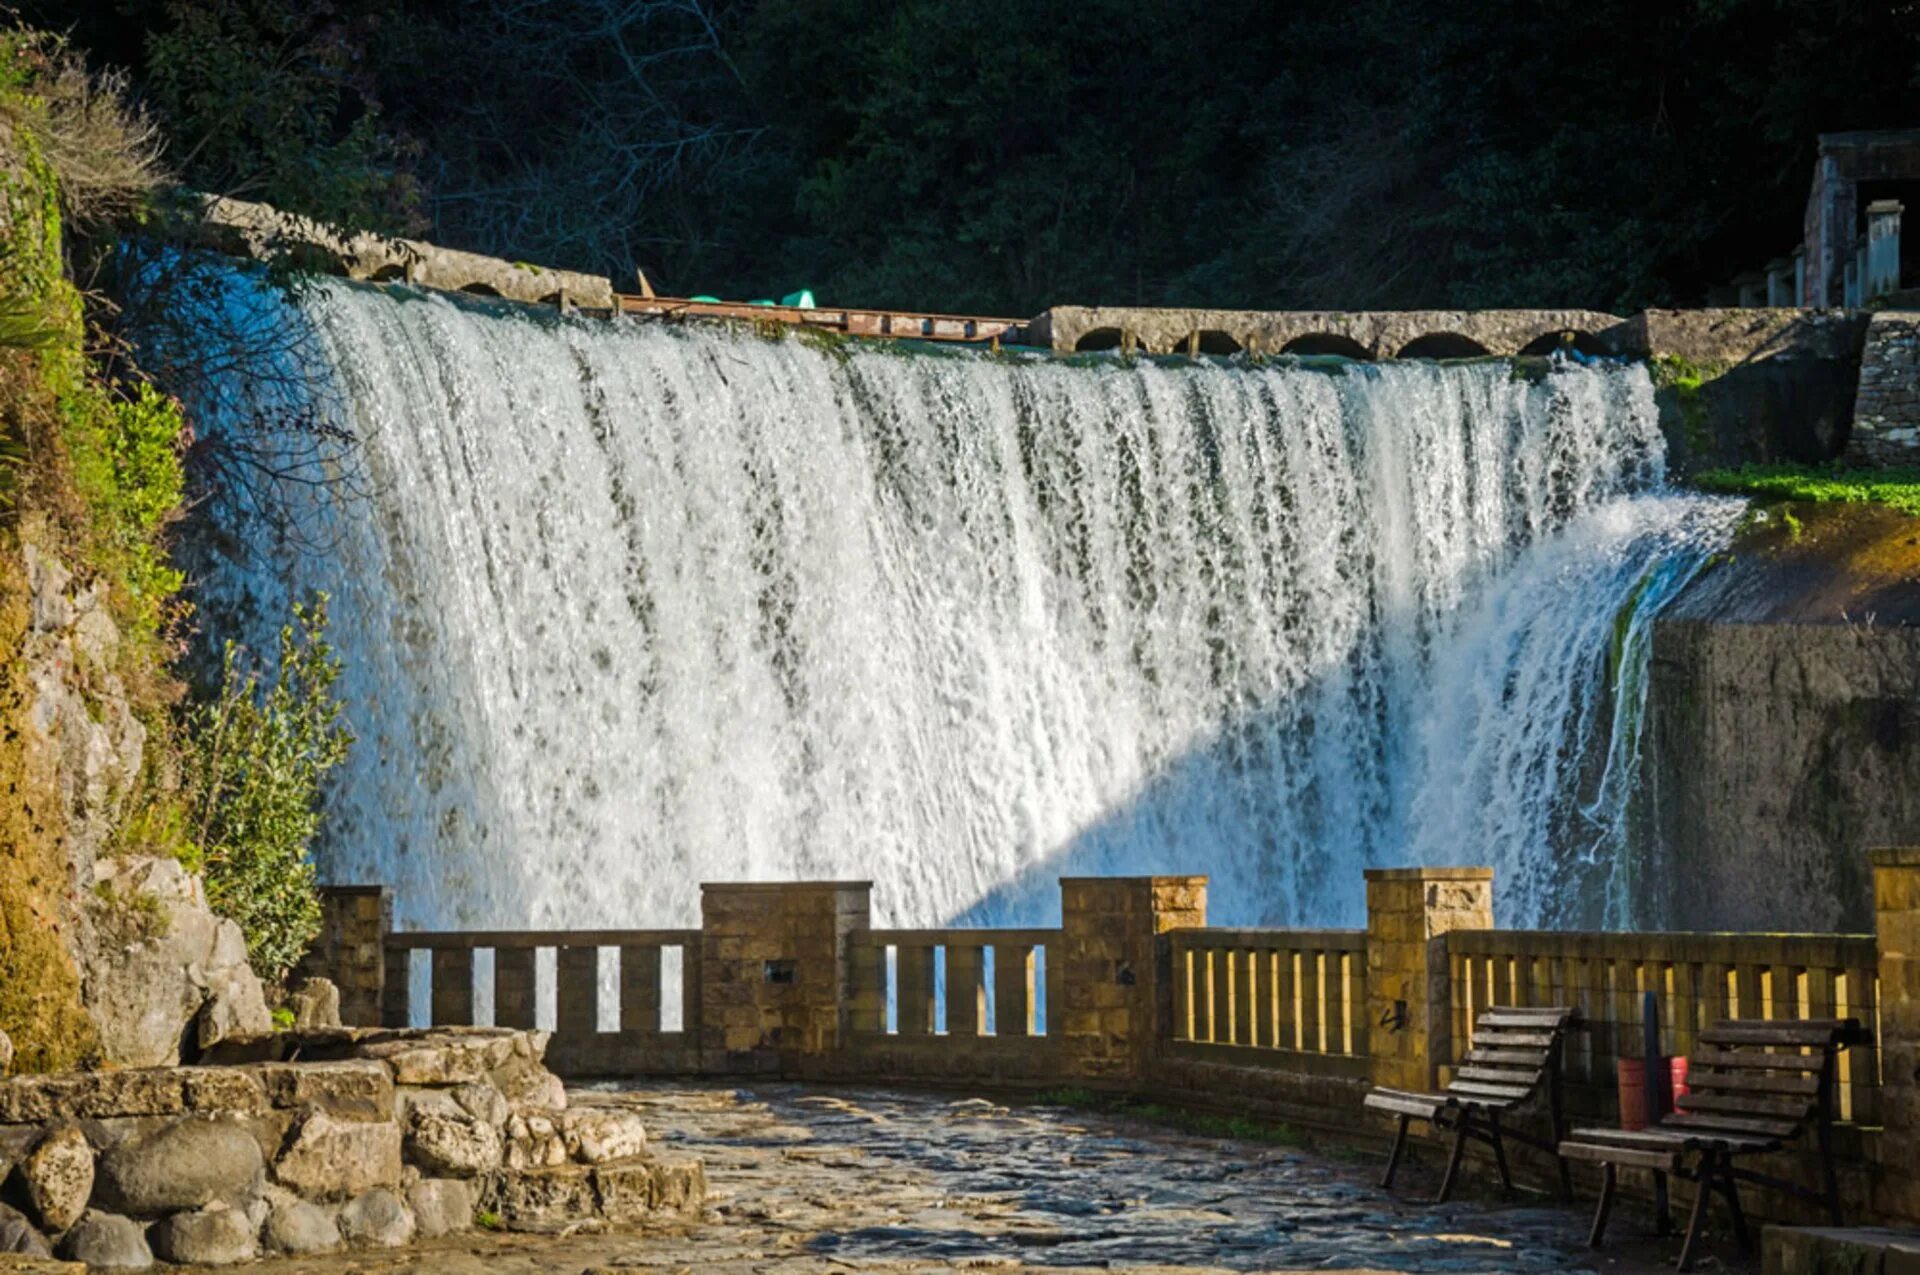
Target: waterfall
629, 607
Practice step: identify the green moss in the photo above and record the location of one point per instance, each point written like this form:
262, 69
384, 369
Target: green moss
1681, 382
1816, 484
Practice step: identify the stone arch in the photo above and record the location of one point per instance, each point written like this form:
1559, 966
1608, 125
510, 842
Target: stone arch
1097, 340
1326, 343
1214, 341
392, 272
478, 289
1443, 345
1547, 342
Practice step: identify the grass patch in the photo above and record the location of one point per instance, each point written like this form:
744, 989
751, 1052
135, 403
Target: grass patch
1199, 1123
1818, 484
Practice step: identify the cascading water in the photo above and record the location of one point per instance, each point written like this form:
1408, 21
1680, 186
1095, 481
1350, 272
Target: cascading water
625, 608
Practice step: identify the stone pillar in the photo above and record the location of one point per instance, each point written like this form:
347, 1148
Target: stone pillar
1780, 282
1112, 976
776, 979
351, 948
1883, 249
1896, 911
1409, 996
1752, 287
1800, 276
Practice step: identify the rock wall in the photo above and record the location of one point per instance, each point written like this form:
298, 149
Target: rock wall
160, 975
370, 1140
1886, 414
1783, 729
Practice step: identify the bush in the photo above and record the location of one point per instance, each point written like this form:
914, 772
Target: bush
105, 149
255, 759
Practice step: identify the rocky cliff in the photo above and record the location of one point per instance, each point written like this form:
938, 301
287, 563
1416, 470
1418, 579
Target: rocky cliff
1783, 729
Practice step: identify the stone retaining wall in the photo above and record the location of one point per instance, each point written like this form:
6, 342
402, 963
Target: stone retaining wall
303, 1142
1886, 411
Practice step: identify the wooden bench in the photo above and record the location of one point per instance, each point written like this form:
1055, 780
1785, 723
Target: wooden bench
1516, 1052
1755, 1087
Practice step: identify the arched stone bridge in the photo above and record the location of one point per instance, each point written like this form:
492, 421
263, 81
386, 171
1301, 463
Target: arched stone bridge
1356, 334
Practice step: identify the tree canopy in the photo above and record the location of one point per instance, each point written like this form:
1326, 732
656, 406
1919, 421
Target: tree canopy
1001, 158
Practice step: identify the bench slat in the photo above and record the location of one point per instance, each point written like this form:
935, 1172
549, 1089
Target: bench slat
1531, 1019
1512, 1038
1665, 1161
1810, 1031
1498, 1076
1736, 1124
1534, 1058
1740, 1104
1759, 1060
1399, 1102
1764, 1082
1496, 1093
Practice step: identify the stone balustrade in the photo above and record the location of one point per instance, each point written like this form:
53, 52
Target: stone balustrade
1134, 992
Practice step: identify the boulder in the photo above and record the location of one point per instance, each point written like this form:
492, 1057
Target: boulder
59, 1177
596, 1135
442, 1206
547, 1200
315, 1002
377, 1219
17, 1235
534, 1142
187, 1164
6, 1053
331, 1159
298, 1226
458, 1147
107, 1241
218, 1235
156, 957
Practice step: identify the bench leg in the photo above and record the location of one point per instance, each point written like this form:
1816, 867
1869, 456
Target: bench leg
1393, 1156
1463, 1124
1566, 1180
1698, 1215
1730, 1191
1662, 1216
1603, 1208
1499, 1153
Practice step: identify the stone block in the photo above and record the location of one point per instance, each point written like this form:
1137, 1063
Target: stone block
58, 1176
352, 1089
377, 1219
107, 1242
218, 1235
332, 1159
442, 1206
636, 1190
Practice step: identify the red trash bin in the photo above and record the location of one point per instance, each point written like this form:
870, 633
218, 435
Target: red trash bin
1677, 1071
1633, 1093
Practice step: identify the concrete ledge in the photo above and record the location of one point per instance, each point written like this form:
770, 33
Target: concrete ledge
1824, 1250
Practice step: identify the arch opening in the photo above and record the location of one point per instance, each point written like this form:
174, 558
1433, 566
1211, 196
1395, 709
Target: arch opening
480, 290
1547, 342
1326, 343
1097, 340
1214, 341
1443, 345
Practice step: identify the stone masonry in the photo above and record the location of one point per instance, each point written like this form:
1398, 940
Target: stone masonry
776, 982
350, 949
1896, 903
309, 1141
1114, 990
1409, 1000
1886, 412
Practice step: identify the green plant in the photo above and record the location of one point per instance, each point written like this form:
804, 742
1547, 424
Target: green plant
487, 1220
255, 759
283, 1019
1818, 484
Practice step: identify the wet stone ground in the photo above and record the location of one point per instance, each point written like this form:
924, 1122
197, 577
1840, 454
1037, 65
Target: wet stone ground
811, 1180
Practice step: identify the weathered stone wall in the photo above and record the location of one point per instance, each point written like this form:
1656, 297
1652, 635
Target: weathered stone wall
350, 949
1783, 726
1886, 413
1374, 334
371, 1139
1409, 1001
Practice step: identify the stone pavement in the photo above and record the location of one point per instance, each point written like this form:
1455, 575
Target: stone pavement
854, 1180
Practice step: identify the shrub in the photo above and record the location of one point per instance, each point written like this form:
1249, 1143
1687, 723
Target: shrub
105, 149
255, 759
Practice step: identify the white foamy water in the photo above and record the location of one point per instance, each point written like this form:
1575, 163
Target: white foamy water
629, 608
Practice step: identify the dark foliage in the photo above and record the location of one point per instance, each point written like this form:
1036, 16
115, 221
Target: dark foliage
1007, 156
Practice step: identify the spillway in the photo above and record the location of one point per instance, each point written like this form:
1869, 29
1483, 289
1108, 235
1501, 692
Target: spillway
626, 607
